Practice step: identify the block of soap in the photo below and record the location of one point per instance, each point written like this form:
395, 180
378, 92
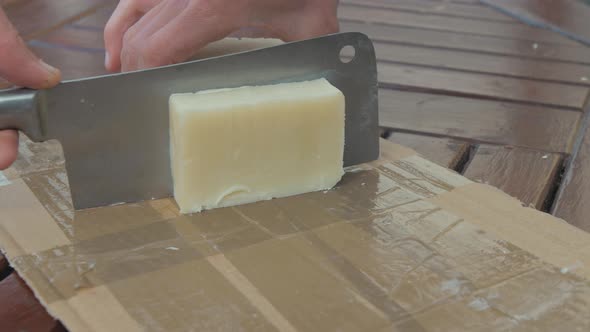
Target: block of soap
242, 145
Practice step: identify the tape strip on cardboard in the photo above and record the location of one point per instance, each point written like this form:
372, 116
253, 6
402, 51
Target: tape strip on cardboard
541, 234
25, 225
96, 310
244, 286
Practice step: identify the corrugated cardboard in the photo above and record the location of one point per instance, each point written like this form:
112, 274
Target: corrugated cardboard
399, 245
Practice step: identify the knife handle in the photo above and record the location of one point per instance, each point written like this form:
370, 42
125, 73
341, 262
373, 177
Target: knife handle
19, 110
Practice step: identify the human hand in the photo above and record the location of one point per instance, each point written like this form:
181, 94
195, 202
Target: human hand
148, 33
21, 67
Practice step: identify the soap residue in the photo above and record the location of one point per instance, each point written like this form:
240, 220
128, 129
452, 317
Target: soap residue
571, 268
479, 304
452, 286
3, 180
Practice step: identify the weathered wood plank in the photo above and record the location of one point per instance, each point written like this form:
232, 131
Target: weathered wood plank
528, 175
96, 20
572, 200
470, 42
482, 85
569, 17
443, 151
33, 18
3, 265
21, 311
86, 40
463, 25
427, 7
534, 127
485, 63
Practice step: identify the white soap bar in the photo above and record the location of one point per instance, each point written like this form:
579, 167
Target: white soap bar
242, 145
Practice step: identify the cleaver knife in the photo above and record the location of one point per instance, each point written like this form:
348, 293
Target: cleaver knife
114, 129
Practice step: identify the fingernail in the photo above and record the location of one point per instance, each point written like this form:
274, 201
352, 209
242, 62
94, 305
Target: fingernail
48, 67
107, 60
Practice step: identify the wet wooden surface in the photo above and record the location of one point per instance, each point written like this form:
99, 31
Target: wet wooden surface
529, 175
20, 310
444, 151
466, 86
479, 120
434, 7
570, 17
474, 43
514, 30
3, 264
572, 200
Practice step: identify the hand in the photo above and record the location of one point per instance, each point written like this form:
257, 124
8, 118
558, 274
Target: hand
21, 67
149, 33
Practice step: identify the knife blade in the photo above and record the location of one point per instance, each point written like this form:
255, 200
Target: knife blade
114, 129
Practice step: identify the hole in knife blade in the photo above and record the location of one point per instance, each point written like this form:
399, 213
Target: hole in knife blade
347, 54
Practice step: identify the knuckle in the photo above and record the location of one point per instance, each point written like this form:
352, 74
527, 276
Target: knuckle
150, 59
130, 47
129, 39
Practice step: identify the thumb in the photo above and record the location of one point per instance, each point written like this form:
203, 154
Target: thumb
18, 64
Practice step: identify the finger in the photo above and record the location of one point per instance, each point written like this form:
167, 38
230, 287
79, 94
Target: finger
18, 64
127, 13
8, 148
174, 43
136, 37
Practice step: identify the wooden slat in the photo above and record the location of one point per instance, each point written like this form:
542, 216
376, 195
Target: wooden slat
21, 311
528, 175
96, 20
83, 39
33, 18
462, 25
425, 7
572, 201
570, 17
482, 85
443, 151
479, 120
469, 42
485, 63
3, 265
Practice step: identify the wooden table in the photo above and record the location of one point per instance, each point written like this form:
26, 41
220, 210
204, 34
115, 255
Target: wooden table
468, 87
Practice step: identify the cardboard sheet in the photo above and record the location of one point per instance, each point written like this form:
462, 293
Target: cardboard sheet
400, 244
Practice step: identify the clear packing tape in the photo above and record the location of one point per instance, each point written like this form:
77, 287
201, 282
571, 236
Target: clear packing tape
400, 244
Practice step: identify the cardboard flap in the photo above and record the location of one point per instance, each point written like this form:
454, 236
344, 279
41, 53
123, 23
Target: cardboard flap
399, 244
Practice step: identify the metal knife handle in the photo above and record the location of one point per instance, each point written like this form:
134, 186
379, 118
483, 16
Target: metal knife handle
19, 110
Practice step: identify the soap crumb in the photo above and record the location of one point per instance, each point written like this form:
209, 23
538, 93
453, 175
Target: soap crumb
479, 304
535, 46
584, 79
172, 248
571, 268
545, 156
116, 204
